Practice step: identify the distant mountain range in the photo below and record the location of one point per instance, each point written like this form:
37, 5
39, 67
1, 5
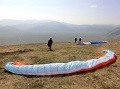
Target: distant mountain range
32, 31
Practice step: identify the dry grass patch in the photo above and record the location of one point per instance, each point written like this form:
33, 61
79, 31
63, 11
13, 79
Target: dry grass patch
103, 78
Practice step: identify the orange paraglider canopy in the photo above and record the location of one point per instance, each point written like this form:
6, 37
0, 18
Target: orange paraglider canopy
18, 63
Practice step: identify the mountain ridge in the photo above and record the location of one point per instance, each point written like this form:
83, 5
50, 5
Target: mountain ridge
32, 31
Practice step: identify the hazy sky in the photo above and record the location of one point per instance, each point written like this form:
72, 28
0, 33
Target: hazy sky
70, 11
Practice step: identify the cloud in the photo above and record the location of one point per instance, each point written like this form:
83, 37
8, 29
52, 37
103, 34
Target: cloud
93, 6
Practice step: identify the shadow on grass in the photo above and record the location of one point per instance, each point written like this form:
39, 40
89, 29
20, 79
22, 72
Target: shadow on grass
14, 52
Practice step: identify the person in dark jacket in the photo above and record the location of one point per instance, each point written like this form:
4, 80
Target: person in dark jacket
75, 40
79, 39
50, 44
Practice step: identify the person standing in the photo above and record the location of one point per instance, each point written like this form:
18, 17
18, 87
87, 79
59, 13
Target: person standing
79, 40
75, 40
50, 42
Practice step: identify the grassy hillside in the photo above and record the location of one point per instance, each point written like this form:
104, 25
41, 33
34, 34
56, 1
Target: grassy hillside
107, 77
